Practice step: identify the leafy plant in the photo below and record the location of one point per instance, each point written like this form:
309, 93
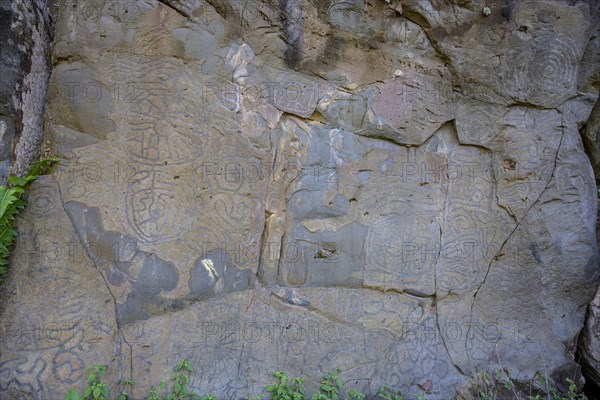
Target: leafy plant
574, 392
385, 393
283, 391
354, 395
11, 203
181, 379
124, 395
330, 387
485, 386
96, 389
154, 392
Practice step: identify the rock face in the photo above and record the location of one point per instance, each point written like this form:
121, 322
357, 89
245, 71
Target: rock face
397, 189
25, 36
588, 344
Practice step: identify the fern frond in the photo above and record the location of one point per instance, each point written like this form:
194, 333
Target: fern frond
7, 199
11, 203
41, 167
20, 182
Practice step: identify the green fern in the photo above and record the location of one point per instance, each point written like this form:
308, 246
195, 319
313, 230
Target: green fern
11, 203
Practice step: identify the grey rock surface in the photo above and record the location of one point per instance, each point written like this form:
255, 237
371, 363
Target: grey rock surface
588, 343
396, 188
25, 66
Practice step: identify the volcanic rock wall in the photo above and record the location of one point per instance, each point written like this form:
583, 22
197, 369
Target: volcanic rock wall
25, 35
396, 188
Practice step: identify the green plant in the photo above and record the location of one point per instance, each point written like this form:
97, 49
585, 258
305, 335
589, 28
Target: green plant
96, 389
179, 389
154, 392
330, 387
485, 387
354, 395
549, 384
574, 392
385, 393
124, 395
283, 391
293, 389
181, 380
11, 203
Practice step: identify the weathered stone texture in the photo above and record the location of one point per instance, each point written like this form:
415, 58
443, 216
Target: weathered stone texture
398, 189
25, 68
